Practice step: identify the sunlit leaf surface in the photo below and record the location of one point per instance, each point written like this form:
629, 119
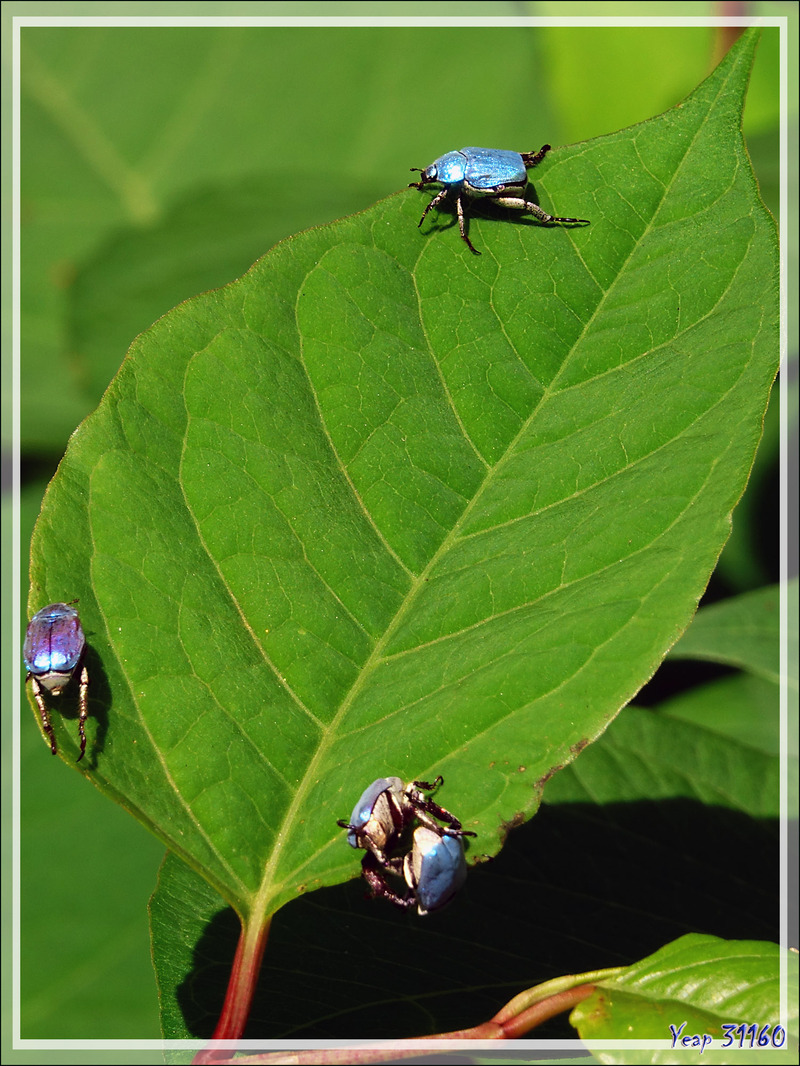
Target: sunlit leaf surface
385, 507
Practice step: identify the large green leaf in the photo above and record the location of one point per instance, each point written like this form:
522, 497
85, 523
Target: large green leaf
382, 506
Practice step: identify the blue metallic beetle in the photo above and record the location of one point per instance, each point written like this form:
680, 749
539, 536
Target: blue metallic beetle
433, 870
488, 173
379, 817
52, 652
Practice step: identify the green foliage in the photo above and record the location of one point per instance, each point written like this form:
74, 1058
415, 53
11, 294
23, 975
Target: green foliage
160, 162
384, 507
702, 983
689, 789
744, 632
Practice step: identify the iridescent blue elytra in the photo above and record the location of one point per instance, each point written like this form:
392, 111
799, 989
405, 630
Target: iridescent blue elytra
435, 869
491, 173
52, 652
378, 817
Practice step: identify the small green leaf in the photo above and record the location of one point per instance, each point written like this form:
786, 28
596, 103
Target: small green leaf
385, 507
701, 981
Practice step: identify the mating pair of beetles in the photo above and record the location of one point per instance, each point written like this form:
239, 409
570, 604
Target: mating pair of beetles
433, 866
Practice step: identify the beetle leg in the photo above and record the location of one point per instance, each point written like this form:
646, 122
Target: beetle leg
534, 209
558, 218
84, 709
378, 885
462, 226
425, 807
530, 159
37, 695
429, 788
434, 202
430, 807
